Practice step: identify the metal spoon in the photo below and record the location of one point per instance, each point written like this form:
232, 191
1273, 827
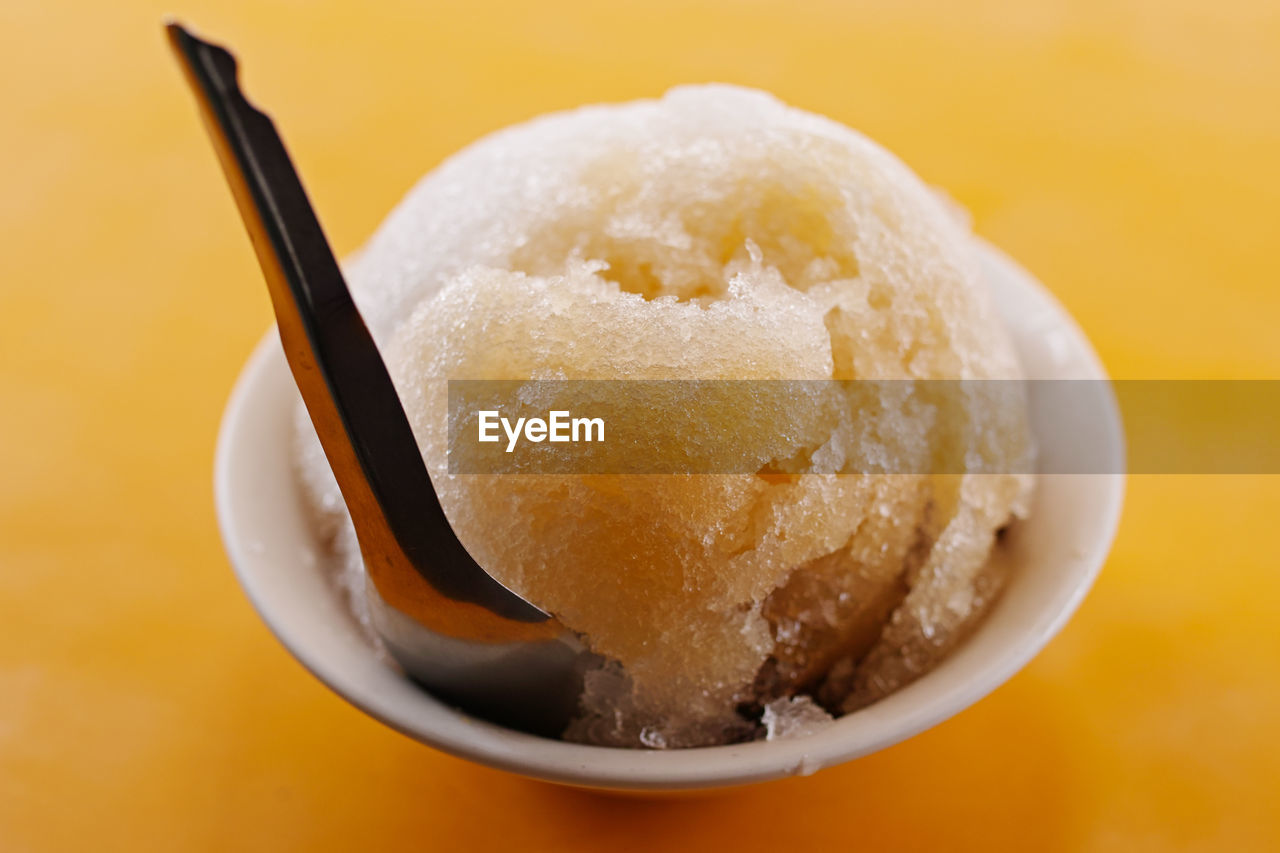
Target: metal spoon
452, 627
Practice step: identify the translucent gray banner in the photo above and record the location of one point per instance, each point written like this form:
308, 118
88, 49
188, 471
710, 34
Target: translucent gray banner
783, 428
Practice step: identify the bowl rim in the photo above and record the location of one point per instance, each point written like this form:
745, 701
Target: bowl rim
392, 699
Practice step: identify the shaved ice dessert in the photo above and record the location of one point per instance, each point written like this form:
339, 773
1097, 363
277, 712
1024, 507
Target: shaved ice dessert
715, 233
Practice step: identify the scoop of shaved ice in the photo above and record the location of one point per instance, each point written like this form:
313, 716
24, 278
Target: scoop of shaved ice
714, 233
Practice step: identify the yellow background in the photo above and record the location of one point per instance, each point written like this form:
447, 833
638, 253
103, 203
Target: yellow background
1128, 153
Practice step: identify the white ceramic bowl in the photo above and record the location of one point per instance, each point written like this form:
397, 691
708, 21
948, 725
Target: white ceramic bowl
278, 560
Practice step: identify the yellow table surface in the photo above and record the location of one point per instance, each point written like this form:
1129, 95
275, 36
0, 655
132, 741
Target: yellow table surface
1128, 153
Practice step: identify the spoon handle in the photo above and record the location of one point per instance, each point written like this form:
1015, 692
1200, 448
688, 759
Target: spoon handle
413, 556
